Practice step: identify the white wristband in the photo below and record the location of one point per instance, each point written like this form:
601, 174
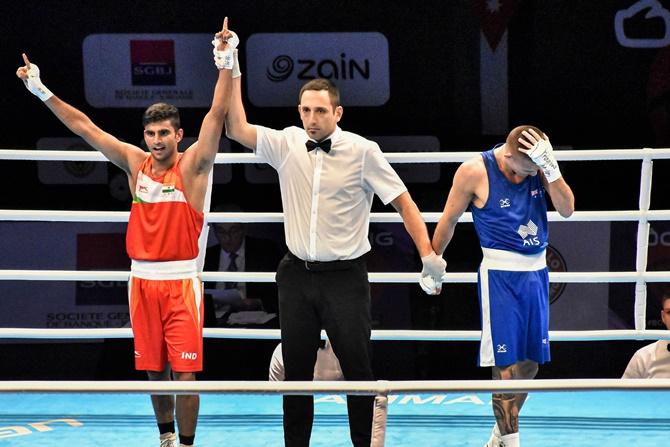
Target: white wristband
223, 59
34, 84
547, 162
236, 65
552, 173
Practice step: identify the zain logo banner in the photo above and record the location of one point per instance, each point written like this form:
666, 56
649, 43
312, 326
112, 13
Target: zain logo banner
279, 64
281, 68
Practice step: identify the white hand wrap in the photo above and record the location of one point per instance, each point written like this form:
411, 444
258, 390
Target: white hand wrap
433, 265
34, 84
428, 284
236, 65
224, 59
542, 155
431, 275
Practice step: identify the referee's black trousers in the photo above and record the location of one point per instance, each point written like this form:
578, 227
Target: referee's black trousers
336, 297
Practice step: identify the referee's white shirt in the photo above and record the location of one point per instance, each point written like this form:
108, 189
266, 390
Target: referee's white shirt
327, 197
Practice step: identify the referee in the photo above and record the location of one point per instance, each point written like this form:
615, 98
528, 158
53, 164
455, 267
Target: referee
328, 178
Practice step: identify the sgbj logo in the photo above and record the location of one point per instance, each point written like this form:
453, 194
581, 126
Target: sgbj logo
279, 64
152, 62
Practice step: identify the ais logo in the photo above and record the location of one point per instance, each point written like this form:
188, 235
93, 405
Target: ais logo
152, 62
528, 233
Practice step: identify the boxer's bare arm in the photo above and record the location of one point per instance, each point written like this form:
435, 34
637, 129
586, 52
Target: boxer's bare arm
467, 179
124, 155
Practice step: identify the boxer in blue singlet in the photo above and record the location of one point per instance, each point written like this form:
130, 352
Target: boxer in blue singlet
506, 188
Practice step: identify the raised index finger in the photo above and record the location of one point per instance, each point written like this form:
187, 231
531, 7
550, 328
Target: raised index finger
25, 60
225, 24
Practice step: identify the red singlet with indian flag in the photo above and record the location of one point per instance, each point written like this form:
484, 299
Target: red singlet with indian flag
164, 290
162, 225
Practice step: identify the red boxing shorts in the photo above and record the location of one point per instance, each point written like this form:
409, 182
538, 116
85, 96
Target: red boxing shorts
166, 314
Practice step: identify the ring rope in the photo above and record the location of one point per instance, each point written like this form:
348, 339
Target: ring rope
381, 387
392, 157
377, 334
373, 277
640, 277
429, 217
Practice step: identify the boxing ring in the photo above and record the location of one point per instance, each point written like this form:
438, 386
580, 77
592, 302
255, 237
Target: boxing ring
584, 412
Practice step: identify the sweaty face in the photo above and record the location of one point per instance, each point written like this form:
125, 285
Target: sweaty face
162, 139
319, 117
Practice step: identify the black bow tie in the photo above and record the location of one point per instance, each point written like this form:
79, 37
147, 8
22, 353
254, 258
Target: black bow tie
324, 145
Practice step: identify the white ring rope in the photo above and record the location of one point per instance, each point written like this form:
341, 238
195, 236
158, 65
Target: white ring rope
640, 277
381, 387
374, 277
430, 217
393, 157
377, 334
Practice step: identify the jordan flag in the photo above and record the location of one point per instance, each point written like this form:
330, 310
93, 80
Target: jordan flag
495, 16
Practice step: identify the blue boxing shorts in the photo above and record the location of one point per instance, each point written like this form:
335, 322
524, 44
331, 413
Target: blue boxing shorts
514, 302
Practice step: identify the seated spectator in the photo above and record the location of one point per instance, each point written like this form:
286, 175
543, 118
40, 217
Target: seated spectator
238, 252
653, 360
327, 367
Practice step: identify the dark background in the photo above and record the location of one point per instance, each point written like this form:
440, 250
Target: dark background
567, 74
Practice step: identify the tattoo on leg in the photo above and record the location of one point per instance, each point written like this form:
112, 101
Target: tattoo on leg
506, 412
506, 406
